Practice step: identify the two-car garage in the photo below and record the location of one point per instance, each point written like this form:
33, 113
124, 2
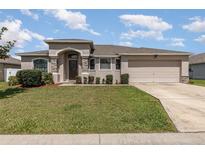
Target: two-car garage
152, 68
154, 71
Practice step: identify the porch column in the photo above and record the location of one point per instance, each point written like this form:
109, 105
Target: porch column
54, 69
84, 64
185, 71
85, 68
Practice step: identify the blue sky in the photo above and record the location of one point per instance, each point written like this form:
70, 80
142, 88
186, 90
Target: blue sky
182, 30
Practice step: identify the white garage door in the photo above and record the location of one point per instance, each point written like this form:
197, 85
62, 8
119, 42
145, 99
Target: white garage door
154, 71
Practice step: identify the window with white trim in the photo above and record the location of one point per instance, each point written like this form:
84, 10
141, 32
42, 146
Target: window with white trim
105, 63
92, 63
40, 64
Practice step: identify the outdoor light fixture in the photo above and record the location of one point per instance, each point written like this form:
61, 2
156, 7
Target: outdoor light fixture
155, 56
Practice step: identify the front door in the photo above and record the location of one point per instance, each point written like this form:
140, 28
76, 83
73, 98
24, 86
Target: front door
73, 69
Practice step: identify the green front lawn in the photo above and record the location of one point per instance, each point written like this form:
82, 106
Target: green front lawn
197, 82
52, 110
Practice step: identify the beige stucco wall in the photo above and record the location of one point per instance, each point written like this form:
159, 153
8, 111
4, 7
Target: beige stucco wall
102, 73
198, 71
58, 46
184, 70
55, 48
27, 62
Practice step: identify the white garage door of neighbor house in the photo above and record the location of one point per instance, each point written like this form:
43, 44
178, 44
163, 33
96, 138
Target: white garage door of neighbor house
154, 71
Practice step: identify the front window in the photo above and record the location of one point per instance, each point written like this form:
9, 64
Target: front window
92, 64
40, 64
105, 63
117, 64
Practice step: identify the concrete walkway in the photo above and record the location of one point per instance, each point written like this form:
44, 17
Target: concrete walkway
184, 103
95, 139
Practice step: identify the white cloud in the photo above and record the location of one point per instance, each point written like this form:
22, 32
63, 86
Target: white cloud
16, 32
126, 43
150, 27
197, 25
150, 22
42, 46
142, 34
73, 20
177, 42
30, 13
200, 39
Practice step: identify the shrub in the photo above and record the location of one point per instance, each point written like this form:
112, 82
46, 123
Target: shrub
109, 79
78, 80
97, 80
85, 80
12, 81
47, 78
18, 76
29, 78
191, 82
91, 79
124, 78
103, 81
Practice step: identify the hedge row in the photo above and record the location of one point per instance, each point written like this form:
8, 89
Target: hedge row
124, 79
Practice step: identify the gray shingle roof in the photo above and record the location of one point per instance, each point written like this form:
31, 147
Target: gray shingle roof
196, 59
115, 49
10, 60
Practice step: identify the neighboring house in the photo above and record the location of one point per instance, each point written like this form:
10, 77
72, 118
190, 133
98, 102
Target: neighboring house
9, 62
197, 66
68, 58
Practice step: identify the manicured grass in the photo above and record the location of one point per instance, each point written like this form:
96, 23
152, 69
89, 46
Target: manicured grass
197, 82
52, 110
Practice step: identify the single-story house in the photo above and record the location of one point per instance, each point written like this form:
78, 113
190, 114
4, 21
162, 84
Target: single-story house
9, 62
68, 58
197, 66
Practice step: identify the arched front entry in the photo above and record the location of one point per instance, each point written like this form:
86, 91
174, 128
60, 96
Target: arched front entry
69, 65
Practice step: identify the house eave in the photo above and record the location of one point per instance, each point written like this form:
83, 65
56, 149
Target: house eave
68, 41
106, 56
10, 63
21, 54
153, 54
196, 63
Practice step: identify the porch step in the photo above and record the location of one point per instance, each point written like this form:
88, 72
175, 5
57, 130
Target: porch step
69, 82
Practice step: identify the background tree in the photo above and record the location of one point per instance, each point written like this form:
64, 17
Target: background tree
5, 48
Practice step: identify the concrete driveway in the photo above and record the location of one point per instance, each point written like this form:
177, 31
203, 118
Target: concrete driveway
184, 103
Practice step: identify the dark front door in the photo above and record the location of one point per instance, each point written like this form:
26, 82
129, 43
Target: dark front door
73, 69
